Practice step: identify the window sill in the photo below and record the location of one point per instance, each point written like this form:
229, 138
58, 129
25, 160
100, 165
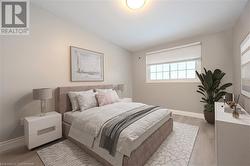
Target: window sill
174, 81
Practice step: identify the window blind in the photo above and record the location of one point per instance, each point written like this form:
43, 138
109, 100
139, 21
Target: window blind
180, 53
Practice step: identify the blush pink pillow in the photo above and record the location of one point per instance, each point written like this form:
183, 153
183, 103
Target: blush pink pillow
105, 98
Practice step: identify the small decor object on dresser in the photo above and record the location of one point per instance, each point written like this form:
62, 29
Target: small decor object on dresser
39, 130
86, 65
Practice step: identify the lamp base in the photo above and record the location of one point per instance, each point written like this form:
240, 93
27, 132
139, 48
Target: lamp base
43, 107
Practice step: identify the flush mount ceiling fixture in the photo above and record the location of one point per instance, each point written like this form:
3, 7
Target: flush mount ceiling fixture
135, 4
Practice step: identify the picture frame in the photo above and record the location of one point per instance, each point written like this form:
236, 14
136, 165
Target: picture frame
86, 65
245, 66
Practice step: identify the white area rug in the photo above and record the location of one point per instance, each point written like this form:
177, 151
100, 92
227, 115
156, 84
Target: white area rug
174, 151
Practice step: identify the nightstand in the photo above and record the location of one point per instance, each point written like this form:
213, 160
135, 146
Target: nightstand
39, 130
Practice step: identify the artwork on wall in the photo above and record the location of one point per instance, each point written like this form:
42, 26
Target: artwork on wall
86, 65
245, 66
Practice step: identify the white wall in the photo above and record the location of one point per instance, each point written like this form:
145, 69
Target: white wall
240, 31
42, 59
216, 53
1, 83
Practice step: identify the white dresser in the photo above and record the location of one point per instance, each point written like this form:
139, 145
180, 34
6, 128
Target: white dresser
232, 138
39, 130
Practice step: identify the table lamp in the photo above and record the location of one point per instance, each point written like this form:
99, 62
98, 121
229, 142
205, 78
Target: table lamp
42, 94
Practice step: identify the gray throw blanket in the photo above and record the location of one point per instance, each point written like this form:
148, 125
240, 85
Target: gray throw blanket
112, 129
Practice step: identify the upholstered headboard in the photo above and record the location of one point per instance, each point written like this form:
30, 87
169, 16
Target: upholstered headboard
61, 95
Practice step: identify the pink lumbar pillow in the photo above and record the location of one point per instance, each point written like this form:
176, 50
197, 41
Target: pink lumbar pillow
105, 98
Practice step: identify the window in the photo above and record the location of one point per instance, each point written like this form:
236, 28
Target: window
173, 71
179, 63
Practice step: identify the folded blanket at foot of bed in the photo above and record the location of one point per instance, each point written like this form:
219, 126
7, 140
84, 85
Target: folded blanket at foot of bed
113, 128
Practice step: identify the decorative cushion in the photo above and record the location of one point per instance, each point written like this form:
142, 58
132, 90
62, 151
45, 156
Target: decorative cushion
86, 100
73, 99
105, 98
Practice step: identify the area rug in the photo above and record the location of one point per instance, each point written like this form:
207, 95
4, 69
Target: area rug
176, 150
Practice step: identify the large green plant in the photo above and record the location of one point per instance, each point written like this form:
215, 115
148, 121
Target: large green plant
211, 88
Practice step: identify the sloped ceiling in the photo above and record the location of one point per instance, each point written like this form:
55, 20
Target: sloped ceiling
159, 21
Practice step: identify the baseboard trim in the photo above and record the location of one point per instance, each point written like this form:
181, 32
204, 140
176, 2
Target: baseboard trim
186, 113
12, 143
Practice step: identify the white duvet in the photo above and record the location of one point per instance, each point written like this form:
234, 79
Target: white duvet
86, 128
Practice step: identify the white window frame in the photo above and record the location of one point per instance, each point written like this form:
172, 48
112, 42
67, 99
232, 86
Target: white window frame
198, 66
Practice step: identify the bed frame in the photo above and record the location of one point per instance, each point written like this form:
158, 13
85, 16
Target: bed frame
140, 155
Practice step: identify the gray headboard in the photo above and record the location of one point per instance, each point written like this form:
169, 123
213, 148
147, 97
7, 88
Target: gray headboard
61, 95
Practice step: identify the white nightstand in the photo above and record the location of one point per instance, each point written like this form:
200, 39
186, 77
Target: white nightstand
126, 99
39, 130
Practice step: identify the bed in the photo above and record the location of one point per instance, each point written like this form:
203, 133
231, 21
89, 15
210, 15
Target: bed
134, 146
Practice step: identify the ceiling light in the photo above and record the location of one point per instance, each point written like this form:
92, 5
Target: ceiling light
135, 4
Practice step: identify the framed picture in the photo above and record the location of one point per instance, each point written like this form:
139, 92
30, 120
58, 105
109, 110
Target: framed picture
245, 66
86, 65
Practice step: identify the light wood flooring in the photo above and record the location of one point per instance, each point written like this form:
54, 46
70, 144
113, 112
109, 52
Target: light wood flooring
203, 153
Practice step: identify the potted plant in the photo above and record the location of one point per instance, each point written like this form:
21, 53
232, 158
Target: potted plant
211, 91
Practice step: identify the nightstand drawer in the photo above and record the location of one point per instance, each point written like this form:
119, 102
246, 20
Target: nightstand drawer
44, 136
38, 125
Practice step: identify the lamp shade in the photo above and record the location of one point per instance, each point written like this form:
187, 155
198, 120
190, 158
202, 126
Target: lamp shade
42, 94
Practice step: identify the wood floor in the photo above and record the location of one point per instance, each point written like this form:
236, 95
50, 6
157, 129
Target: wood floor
203, 152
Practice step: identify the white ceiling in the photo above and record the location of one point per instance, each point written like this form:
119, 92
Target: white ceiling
158, 22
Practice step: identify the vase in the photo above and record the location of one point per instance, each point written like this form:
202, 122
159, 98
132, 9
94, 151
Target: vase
209, 116
236, 114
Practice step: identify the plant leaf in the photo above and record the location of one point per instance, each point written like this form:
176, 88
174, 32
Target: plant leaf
204, 99
217, 74
202, 90
202, 87
219, 96
200, 77
205, 70
223, 87
216, 84
201, 93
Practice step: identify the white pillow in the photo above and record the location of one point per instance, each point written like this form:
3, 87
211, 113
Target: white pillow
73, 98
114, 96
86, 101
